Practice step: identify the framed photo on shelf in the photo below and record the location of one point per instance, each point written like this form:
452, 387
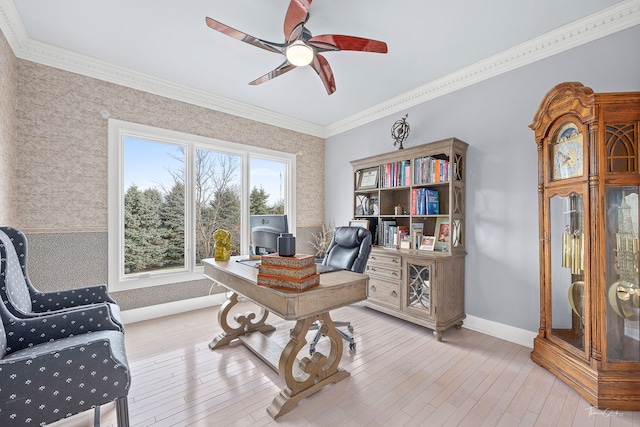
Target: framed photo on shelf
427, 243
364, 223
443, 234
368, 179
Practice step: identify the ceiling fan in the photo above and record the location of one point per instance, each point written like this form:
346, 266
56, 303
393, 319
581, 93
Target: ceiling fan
301, 47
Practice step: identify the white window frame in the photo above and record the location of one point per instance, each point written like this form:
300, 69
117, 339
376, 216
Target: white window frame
118, 131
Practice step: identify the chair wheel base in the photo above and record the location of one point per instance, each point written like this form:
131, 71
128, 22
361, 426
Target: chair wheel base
344, 335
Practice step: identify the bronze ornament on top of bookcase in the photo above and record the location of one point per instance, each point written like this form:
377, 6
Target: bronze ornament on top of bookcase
420, 196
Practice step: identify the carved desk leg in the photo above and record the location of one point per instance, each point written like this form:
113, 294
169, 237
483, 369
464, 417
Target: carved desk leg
318, 371
244, 321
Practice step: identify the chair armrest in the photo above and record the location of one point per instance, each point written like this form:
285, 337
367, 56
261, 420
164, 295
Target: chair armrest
23, 333
43, 302
43, 383
114, 309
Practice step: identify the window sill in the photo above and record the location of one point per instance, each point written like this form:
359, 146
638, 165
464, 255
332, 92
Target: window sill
145, 281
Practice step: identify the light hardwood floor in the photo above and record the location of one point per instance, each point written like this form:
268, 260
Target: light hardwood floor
400, 376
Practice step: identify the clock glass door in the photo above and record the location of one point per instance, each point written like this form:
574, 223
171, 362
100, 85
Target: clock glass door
566, 281
623, 293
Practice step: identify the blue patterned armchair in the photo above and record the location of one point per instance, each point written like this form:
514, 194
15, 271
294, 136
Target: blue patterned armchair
58, 365
23, 300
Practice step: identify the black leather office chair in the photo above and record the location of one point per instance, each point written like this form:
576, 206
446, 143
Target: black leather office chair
349, 250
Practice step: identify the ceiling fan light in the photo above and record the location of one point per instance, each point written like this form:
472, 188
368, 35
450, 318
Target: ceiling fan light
299, 54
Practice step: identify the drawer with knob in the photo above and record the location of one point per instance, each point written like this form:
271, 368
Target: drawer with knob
383, 291
381, 272
389, 261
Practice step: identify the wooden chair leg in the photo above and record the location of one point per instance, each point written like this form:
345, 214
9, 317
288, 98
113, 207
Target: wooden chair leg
122, 411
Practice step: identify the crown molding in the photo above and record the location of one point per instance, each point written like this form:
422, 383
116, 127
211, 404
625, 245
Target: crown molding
608, 21
621, 16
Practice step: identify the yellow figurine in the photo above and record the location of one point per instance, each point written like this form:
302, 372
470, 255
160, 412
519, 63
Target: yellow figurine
222, 245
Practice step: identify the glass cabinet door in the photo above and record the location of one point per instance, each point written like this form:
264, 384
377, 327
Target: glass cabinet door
621, 269
418, 298
566, 281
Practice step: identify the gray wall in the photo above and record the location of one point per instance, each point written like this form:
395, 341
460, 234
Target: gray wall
502, 275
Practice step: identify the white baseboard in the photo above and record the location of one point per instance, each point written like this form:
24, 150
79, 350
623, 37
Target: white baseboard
500, 330
495, 329
175, 307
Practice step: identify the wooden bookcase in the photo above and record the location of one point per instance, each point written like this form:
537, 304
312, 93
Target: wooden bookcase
422, 286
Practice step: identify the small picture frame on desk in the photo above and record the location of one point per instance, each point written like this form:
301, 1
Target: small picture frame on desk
368, 179
364, 223
427, 243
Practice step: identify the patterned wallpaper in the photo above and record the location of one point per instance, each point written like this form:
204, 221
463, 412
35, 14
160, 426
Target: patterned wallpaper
62, 171
62, 146
8, 154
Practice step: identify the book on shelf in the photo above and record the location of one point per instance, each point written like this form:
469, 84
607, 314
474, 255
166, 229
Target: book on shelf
387, 231
396, 174
430, 169
416, 234
424, 201
395, 235
414, 201
432, 202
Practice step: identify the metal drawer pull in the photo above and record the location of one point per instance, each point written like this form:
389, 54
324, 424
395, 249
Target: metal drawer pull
373, 288
394, 294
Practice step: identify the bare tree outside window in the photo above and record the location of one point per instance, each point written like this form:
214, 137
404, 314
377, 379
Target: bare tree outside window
155, 200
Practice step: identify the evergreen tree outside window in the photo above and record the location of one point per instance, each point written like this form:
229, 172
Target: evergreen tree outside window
154, 206
169, 192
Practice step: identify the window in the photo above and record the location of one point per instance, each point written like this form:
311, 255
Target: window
170, 191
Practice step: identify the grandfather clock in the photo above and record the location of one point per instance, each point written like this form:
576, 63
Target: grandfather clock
589, 182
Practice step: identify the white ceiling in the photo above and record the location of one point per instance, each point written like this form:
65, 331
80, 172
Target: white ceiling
435, 46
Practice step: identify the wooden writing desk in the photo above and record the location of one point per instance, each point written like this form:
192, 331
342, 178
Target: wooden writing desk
301, 377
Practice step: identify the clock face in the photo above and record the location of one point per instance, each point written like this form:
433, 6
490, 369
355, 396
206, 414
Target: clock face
567, 153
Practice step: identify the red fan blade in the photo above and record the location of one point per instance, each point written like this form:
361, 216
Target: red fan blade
327, 42
280, 70
297, 14
321, 65
239, 35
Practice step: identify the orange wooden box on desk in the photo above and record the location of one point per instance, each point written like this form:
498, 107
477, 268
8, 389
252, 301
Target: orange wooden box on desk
296, 273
